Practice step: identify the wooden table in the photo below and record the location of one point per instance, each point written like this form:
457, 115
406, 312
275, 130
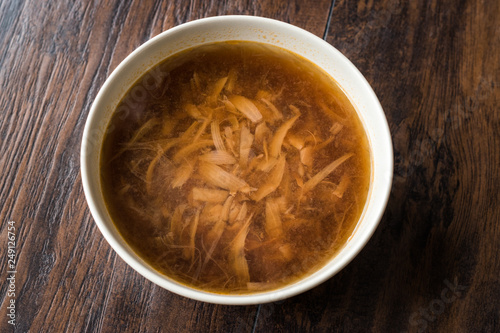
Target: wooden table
433, 264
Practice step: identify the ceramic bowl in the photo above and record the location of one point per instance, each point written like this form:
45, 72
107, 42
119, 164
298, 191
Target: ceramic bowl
245, 28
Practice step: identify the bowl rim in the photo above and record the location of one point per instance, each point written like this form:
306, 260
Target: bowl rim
309, 281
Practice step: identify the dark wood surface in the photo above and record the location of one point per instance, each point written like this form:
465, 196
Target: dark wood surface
432, 265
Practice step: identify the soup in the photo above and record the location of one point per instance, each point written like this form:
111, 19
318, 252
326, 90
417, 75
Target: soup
235, 167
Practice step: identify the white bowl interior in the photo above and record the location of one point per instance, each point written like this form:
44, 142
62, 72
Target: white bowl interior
245, 28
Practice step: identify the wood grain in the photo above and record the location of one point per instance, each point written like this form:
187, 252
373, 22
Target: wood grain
54, 56
435, 68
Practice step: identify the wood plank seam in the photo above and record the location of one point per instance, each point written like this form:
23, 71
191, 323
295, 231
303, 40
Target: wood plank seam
330, 12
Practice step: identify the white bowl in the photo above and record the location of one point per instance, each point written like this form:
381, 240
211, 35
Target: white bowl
245, 28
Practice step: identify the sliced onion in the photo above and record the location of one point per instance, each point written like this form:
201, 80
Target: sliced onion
247, 107
193, 111
246, 140
277, 115
182, 174
215, 129
176, 222
273, 181
217, 176
218, 157
274, 227
295, 141
306, 156
218, 86
277, 141
316, 179
237, 254
342, 186
189, 251
261, 132
189, 149
209, 194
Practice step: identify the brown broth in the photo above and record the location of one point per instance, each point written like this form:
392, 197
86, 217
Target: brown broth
162, 196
